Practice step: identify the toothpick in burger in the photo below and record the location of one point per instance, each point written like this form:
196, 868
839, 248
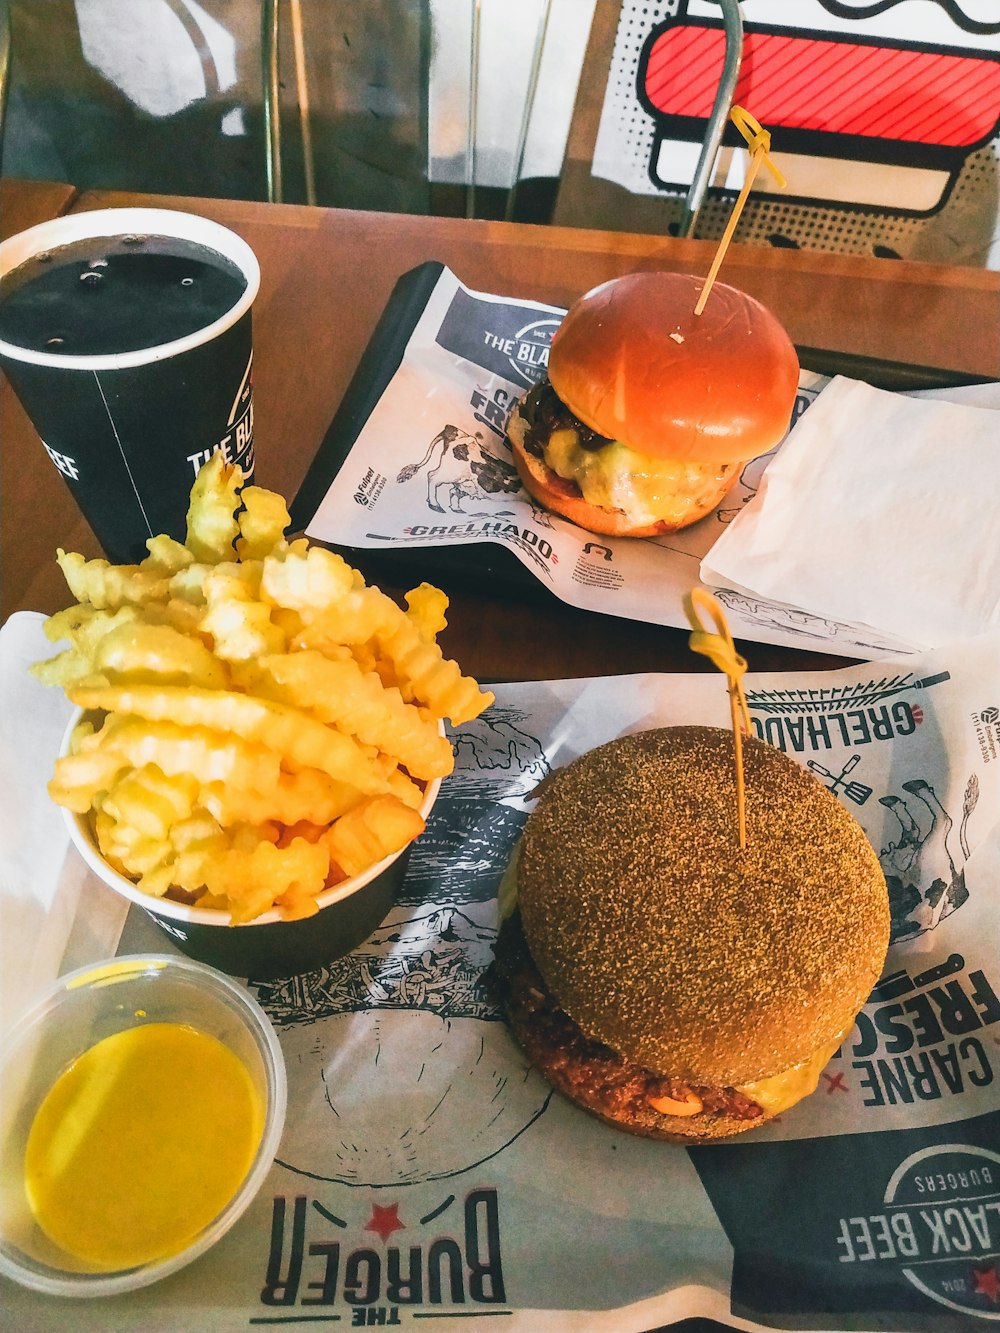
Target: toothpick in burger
668, 982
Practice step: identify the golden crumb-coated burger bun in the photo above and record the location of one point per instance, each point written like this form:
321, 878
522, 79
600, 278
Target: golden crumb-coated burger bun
658, 936
634, 362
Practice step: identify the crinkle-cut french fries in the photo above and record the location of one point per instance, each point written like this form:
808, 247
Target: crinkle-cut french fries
260, 722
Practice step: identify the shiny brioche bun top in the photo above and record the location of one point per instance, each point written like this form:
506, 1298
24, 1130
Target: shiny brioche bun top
634, 362
662, 939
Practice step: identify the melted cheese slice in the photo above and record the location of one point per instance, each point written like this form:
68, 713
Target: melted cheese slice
781, 1091
647, 489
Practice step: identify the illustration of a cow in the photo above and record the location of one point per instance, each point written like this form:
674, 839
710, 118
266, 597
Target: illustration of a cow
924, 869
460, 468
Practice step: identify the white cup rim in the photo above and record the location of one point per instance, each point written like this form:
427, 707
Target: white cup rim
107, 222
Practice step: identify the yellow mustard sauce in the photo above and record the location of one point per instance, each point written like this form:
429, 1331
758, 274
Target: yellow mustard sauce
140, 1143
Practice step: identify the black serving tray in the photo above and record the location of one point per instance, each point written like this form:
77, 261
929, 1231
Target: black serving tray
487, 566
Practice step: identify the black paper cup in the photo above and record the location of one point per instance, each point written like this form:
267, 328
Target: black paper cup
128, 426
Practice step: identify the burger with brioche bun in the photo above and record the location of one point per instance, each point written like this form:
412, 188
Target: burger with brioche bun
650, 412
662, 978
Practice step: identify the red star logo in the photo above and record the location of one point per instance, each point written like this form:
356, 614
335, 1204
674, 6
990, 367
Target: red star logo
986, 1283
385, 1220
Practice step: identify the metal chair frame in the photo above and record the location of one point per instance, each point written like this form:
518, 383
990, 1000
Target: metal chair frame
271, 84
270, 47
732, 19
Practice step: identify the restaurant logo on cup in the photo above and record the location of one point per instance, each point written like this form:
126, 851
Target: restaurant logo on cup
236, 445
508, 340
942, 1221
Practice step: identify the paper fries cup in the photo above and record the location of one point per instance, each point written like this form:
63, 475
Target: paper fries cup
268, 946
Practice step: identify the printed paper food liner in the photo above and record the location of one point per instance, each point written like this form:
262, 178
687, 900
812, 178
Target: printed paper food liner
428, 1177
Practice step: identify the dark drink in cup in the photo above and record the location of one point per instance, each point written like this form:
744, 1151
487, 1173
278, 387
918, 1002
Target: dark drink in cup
126, 335
122, 294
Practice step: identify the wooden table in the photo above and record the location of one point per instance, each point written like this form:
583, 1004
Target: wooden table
327, 274
326, 277
23, 203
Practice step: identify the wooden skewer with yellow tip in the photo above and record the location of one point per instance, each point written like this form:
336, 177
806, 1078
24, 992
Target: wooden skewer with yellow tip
759, 142
718, 646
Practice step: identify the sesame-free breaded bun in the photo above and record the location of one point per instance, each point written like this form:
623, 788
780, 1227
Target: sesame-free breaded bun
634, 362
659, 937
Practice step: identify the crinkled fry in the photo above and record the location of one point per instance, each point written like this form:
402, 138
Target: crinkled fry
166, 556
301, 740
297, 578
296, 903
130, 852
206, 754
340, 694
252, 878
109, 586
239, 579
239, 625
158, 881
83, 624
269, 719
151, 802
423, 674
193, 841
293, 798
427, 677
262, 522
138, 653
303, 828
352, 622
211, 518
375, 829
80, 781
404, 788
66, 668
426, 606
188, 584
85, 631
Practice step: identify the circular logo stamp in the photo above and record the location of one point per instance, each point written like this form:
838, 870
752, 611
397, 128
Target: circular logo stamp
943, 1206
530, 357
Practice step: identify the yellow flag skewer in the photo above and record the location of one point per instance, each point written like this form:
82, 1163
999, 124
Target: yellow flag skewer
721, 650
759, 142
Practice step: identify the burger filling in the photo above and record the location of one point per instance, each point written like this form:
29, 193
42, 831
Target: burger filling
589, 1071
606, 1076
609, 473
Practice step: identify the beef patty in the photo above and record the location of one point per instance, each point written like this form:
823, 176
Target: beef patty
595, 1075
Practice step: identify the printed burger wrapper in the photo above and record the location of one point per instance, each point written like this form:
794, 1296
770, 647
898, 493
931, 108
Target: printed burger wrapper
431, 467
877, 511
429, 1178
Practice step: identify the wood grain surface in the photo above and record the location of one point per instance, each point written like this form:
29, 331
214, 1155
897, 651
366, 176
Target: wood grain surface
326, 276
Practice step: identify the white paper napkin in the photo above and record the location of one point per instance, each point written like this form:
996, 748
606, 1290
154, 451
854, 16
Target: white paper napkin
879, 510
53, 914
